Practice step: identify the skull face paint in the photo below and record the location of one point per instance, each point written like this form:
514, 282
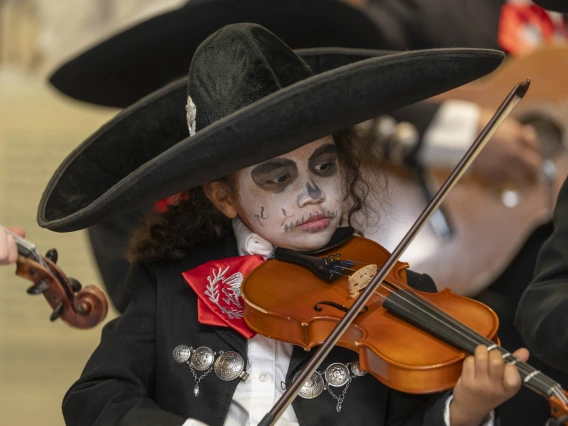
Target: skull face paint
295, 200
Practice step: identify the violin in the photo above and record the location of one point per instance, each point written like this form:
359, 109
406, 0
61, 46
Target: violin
302, 308
78, 307
353, 293
410, 340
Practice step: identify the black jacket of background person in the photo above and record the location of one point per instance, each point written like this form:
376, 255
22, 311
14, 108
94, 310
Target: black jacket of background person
426, 24
132, 378
542, 314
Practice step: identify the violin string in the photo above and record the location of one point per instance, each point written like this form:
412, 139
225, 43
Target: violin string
346, 269
352, 261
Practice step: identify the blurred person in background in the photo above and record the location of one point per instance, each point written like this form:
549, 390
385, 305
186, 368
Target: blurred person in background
542, 314
517, 27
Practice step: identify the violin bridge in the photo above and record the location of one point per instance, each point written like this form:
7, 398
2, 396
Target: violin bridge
361, 279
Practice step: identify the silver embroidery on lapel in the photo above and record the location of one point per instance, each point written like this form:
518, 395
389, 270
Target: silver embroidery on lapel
191, 115
230, 287
233, 293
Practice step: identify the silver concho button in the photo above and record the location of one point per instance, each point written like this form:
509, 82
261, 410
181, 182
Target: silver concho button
313, 387
337, 374
202, 358
181, 353
229, 366
356, 370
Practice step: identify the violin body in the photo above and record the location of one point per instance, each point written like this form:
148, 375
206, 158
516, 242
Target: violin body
400, 355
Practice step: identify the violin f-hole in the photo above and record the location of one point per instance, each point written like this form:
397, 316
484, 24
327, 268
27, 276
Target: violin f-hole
337, 306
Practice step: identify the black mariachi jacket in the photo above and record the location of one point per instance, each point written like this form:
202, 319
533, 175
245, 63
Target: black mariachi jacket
542, 313
132, 378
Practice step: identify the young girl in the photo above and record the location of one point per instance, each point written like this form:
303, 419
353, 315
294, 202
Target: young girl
266, 165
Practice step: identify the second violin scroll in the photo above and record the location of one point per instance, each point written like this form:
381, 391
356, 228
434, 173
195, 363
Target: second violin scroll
81, 308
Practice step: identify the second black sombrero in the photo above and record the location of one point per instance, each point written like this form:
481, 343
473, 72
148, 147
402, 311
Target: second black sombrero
145, 57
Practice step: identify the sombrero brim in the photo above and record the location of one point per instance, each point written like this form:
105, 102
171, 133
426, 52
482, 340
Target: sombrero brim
147, 56
143, 154
555, 5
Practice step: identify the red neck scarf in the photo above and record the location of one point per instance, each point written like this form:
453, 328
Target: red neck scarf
217, 285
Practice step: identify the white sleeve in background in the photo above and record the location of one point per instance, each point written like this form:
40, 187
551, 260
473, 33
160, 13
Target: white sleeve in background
451, 132
488, 421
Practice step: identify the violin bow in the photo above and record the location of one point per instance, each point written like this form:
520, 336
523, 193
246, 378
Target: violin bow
323, 350
78, 307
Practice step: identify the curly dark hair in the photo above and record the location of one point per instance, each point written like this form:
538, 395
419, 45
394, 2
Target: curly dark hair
194, 219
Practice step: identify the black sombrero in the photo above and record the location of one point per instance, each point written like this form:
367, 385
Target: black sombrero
256, 99
555, 5
149, 55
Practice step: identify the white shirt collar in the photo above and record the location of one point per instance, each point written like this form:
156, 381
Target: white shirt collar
250, 243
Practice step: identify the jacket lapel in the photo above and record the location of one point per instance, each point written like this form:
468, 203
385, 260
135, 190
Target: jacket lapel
298, 358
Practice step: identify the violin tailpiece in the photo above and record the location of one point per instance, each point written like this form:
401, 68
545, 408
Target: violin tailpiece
327, 268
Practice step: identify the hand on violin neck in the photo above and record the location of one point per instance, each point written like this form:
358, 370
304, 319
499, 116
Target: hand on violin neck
8, 247
485, 383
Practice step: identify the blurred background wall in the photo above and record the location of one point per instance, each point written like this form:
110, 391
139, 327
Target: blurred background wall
39, 360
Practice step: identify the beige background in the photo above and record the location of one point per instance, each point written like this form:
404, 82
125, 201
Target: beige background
39, 360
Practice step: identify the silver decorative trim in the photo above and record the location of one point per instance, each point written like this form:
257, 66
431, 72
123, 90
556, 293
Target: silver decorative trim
313, 387
229, 366
356, 370
181, 353
191, 115
337, 374
202, 358
230, 287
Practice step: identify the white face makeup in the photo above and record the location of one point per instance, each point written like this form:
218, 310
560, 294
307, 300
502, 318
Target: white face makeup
294, 201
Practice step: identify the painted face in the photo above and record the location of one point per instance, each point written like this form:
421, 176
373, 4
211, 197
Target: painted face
294, 201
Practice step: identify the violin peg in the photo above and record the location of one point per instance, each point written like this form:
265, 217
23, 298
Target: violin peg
75, 285
52, 255
56, 312
38, 288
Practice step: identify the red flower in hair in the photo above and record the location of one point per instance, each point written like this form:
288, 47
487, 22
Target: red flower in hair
162, 205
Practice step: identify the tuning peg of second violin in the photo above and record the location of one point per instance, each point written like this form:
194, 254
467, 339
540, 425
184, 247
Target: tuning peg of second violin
52, 255
38, 288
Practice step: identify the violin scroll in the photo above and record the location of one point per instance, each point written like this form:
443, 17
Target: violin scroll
91, 305
79, 308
